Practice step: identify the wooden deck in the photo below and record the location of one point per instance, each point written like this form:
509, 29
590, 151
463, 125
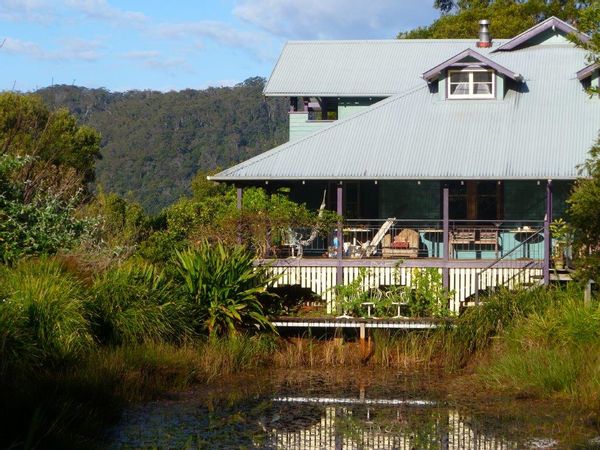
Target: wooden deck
360, 323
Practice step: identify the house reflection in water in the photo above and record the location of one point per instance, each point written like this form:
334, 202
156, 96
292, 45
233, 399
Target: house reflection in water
358, 423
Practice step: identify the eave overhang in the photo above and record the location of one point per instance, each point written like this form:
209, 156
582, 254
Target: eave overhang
435, 72
551, 23
235, 179
587, 71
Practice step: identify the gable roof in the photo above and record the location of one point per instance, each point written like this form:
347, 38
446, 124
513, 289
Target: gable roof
536, 30
358, 68
542, 133
433, 73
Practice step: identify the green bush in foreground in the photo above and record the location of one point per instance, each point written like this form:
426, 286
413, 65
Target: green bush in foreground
133, 303
42, 314
476, 328
223, 288
556, 351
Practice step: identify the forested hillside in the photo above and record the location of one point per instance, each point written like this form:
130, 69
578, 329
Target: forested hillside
153, 142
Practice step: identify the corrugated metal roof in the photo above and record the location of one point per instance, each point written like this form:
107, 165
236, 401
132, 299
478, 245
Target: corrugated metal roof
360, 68
544, 132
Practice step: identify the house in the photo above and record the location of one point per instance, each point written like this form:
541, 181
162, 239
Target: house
473, 144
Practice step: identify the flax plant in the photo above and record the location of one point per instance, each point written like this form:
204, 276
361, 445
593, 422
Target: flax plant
224, 289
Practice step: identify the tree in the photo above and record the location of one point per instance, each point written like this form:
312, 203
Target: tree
61, 154
584, 202
507, 18
584, 217
46, 161
43, 225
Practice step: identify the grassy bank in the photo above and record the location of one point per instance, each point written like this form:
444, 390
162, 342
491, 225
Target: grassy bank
74, 352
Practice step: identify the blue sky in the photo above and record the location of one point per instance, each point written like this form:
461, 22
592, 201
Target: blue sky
177, 44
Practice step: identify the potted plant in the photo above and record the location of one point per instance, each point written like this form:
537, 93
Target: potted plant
561, 239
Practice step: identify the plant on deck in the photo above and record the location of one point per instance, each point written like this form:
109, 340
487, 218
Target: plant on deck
424, 297
223, 288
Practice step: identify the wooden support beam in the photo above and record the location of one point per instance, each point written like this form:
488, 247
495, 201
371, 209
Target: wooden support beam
446, 236
339, 275
547, 234
240, 195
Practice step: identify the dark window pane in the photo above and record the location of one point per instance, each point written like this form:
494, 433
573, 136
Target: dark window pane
482, 77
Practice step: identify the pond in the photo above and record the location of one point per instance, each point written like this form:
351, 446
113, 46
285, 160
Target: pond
347, 409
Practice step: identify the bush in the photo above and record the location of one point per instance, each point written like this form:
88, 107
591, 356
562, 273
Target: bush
475, 329
551, 351
134, 302
41, 313
223, 288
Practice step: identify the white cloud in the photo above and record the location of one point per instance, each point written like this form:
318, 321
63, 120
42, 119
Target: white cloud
340, 19
141, 54
153, 59
26, 11
170, 65
257, 42
71, 49
102, 10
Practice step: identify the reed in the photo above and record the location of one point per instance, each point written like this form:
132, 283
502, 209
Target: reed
42, 317
552, 352
135, 302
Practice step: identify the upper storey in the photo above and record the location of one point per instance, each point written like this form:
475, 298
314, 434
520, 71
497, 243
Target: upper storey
385, 68
454, 110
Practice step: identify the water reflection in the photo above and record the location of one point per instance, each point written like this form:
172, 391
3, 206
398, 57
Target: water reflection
318, 414
376, 424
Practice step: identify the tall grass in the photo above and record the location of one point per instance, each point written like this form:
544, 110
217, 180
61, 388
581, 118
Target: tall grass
42, 317
550, 352
134, 302
475, 330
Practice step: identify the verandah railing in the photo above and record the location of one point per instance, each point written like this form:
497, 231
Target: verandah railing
470, 240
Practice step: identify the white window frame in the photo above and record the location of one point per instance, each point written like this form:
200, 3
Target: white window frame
471, 94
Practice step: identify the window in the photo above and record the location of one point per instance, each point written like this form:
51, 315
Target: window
471, 83
475, 200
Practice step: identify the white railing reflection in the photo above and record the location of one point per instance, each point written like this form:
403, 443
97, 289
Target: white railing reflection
361, 423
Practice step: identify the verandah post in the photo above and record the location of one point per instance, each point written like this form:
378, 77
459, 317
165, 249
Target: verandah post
339, 275
547, 234
240, 194
446, 236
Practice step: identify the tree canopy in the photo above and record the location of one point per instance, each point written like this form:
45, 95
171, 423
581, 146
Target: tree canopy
459, 18
153, 143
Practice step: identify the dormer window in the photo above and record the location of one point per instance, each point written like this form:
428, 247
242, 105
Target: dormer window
471, 83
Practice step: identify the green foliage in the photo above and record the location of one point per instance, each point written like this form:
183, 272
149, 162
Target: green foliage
133, 303
121, 225
350, 296
155, 142
425, 297
160, 247
507, 18
223, 288
41, 226
584, 217
41, 314
475, 329
54, 139
550, 351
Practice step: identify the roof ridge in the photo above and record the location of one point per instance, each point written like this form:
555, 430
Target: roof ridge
378, 41
291, 144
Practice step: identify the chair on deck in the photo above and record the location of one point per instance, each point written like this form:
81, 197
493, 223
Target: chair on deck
404, 245
370, 247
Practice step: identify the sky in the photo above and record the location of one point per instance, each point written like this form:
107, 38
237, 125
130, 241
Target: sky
177, 44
